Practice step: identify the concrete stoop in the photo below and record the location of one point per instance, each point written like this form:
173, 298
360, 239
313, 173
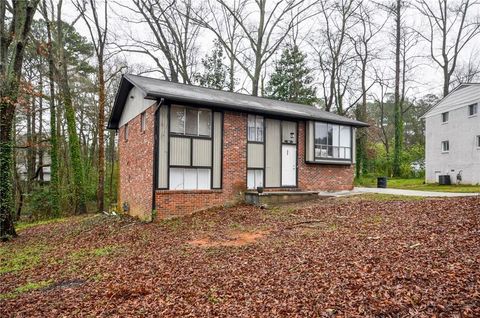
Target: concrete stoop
280, 197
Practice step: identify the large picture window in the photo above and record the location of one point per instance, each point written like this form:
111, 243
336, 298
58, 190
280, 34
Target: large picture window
189, 179
190, 121
333, 141
255, 128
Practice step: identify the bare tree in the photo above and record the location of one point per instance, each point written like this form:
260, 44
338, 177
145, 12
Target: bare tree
365, 52
334, 51
98, 33
379, 97
467, 71
398, 106
54, 179
225, 27
174, 48
451, 27
263, 30
73, 139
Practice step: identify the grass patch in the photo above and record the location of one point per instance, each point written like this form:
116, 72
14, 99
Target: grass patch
96, 252
22, 259
418, 184
381, 197
20, 226
33, 286
30, 286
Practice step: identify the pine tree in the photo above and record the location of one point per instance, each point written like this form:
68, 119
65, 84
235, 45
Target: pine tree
291, 80
215, 74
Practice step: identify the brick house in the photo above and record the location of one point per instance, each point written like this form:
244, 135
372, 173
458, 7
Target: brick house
184, 148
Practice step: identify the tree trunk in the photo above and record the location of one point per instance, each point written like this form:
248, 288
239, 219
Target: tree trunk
73, 141
101, 137
398, 107
7, 206
361, 133
54, 186
446, 80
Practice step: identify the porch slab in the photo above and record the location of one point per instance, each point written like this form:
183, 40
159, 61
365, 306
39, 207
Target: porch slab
280, 197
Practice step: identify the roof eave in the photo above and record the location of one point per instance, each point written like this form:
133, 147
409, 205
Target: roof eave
120, 99
176, 98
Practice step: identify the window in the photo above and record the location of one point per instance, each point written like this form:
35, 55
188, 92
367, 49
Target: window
190, 121
254, 178
143, 120
477, 141
445, 146
472, 109
125, 136
189, 179
445, 117
333, 141
255, 128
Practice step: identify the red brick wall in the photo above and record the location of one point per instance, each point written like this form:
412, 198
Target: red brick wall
319, 176
136, 166
178, 202
136, 171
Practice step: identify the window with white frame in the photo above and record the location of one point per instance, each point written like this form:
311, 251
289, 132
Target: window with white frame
255, 128
254, 178
190, 121
143, 121
472, 109
125, 135
189, 179
477, 141
445, 146
332, 141
445, 117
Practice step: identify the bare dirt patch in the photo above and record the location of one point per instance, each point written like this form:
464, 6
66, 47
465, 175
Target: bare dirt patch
233, 239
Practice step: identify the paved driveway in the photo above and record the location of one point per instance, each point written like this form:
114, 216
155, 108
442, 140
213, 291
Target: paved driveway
412, 192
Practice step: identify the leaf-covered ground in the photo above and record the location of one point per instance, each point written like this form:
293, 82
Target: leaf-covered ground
332, 258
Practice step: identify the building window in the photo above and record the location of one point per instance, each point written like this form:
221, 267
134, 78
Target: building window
143, 121
255, 128
472, 109
254, 178
445, 146
333, 141
445, 117
125, 135
190, 121
477, 141
189, 179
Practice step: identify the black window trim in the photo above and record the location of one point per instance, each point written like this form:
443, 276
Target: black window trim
328, 160
192, 137
143, 121
445, 142
471, 107
263, 132
447, 115
125, 133
184, 134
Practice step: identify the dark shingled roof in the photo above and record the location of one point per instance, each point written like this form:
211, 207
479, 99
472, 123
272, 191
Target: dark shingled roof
182, 93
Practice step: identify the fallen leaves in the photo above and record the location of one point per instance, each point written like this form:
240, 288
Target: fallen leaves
359, 258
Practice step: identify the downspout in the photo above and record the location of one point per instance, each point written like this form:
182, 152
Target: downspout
155, 152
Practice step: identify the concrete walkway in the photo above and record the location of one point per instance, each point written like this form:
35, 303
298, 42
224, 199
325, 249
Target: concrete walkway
359, 190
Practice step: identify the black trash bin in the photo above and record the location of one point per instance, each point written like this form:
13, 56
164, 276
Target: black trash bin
444, 179
381, 182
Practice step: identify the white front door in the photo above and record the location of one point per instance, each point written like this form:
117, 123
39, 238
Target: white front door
289, 165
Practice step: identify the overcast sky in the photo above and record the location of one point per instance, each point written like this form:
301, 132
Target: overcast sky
425, 78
